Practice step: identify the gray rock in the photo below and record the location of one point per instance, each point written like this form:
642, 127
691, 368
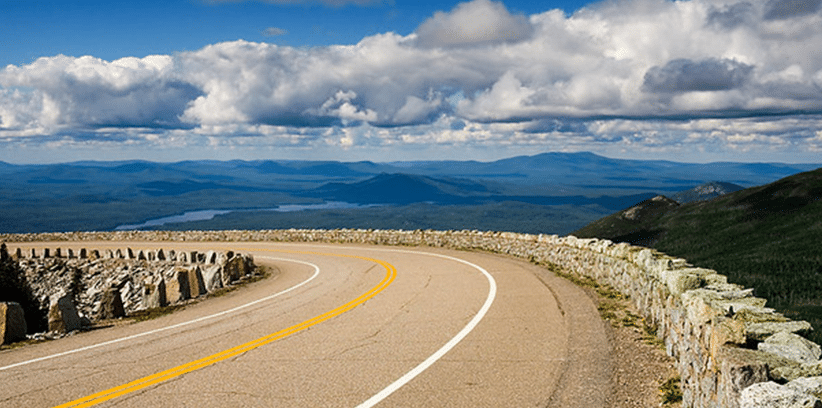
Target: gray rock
760, 331
212, 278
196, 283
177, 286
807, 385
793, 372
111, 305
741, 368
772, 395
126, 294
154, 294
233, 269
12, 322
792, 346
63, 316
679, 281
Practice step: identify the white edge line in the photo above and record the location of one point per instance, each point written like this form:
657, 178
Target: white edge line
405, 379
316, 272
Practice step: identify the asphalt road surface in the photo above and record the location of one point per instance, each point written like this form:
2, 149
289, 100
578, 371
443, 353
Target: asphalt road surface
338, 326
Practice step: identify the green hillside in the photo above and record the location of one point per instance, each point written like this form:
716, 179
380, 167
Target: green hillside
768, 238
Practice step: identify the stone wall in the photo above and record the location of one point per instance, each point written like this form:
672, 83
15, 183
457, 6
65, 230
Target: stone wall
732, 350
112, 283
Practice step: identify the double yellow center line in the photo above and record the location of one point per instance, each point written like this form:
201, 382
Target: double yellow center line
391, 273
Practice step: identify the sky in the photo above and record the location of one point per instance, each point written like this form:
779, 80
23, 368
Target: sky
388, 80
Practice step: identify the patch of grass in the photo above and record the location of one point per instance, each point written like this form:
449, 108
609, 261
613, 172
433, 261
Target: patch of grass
19, 344
613, 305
671, 391
149, 314
632, 320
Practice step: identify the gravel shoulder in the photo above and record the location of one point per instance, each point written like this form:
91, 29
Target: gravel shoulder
639, 371
640, 367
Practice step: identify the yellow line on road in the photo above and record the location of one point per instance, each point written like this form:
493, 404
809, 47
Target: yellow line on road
94, 399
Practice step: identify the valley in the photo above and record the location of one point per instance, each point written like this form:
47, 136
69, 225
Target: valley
553, 193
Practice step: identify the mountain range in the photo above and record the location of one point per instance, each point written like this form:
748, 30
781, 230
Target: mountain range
574, 188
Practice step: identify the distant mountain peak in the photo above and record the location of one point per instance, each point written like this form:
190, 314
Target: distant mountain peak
705, 192
653, 205
401, 188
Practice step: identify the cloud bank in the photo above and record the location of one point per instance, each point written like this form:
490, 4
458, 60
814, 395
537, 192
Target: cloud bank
612, 71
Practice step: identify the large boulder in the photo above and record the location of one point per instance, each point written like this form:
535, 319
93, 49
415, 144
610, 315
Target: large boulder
792, 346
177, 285
760, 331
63, 316
807, 385
212, 277
236, 267
12, 322
154, 293
211, 257
772, 395
196, 285
111, 305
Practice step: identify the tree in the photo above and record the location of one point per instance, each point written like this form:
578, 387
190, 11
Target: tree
15, 288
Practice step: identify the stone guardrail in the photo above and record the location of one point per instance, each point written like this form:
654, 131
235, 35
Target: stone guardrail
83, 286
731, 350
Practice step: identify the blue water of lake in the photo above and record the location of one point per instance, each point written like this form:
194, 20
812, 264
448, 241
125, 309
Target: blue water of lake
203, 215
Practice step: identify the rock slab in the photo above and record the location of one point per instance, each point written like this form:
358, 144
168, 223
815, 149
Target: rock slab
12, 322
111, 306
63, 316
772, 395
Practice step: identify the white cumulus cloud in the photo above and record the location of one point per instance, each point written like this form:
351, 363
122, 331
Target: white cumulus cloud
476, 22
65, 91
643, 61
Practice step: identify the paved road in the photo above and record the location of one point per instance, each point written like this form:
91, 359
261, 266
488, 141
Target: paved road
540, 343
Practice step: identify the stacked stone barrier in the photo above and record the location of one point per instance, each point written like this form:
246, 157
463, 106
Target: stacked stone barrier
84, 286
731, 350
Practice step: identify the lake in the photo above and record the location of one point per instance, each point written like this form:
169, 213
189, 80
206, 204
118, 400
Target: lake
202, 215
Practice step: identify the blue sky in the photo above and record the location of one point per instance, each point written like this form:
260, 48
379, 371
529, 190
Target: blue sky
112, 29
696, 80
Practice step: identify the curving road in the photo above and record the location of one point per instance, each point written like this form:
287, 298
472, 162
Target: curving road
339, 326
